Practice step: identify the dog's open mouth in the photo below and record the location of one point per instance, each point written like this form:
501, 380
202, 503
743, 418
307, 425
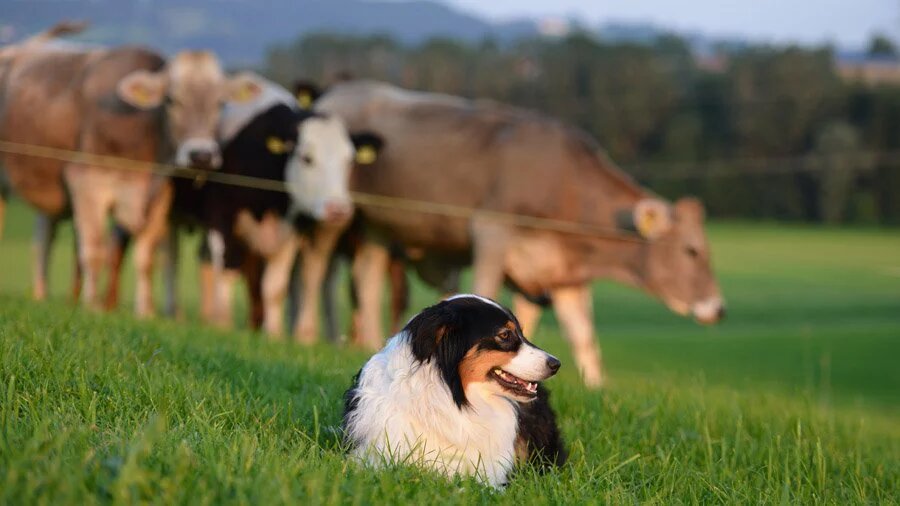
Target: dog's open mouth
514, 384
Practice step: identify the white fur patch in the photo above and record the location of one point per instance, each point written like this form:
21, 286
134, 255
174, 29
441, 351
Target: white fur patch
479, 297
405, 413
235, 115
529, 364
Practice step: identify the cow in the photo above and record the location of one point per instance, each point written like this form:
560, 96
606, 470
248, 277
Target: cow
498, 161
260, 231
123, 102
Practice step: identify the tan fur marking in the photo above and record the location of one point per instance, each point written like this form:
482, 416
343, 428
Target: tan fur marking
476, 365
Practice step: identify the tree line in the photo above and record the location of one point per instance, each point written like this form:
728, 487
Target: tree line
759, 132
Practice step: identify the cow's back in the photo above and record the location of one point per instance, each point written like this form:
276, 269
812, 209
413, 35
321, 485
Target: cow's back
473, 154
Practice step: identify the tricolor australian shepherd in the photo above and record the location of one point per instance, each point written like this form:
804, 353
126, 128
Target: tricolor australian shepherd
458, 391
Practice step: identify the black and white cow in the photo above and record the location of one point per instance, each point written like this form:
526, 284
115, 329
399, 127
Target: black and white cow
261, 231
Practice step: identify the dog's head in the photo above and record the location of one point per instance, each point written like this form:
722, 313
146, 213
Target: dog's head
478, 346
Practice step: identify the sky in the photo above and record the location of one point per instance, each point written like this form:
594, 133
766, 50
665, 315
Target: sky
848, 23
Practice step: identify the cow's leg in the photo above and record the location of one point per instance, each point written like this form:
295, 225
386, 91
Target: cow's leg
223, 277
329, 301
295, 291
574, 310
276, 276
207, 292
44, 233
369, 268
252, 270
170, 250
77, 277
207, 287
118, 243
3, 198
145, 243
528, 314
90, 217
489, 250
316, 255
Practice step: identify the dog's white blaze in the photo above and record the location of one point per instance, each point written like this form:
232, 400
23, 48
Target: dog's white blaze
529, 364
405, 413
479, 297
326, 180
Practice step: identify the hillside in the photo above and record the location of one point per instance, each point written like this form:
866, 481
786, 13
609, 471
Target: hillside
240, 31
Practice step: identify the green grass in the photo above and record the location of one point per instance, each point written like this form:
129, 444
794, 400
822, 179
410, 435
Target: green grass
794, 399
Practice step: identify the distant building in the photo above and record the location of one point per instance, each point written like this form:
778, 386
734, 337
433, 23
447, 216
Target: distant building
867, 69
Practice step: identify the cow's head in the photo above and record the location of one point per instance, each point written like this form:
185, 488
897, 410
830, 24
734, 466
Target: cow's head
192, 88
318, 169
676, 265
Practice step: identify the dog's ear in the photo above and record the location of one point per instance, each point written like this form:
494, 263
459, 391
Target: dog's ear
434, 336
428, 329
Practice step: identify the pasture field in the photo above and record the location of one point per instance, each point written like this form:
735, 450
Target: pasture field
795, 398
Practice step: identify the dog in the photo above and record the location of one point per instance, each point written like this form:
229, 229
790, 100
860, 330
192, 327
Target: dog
456, 391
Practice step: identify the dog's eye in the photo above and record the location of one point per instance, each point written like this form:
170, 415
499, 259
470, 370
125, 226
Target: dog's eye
692, 251
505, 335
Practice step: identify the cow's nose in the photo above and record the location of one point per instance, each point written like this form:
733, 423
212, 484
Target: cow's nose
553, 364
201, 158
720, 314
337, 211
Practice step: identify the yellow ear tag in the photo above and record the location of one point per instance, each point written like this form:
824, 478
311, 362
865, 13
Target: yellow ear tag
366, 155
245, 93
141, 95
276, 146
304, 100
646, 223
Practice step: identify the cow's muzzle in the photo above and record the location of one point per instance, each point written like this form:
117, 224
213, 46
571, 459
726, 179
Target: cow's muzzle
709, 311
337, 212
200, 154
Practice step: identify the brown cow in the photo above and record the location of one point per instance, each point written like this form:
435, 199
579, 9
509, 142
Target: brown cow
124, 102
486, 156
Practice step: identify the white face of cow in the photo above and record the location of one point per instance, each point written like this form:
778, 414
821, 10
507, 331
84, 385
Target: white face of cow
318, 171
192, 88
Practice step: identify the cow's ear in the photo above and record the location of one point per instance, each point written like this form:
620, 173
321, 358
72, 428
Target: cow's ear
650, 217
143, 89
690, 209
306, 93
368, 146
244, 87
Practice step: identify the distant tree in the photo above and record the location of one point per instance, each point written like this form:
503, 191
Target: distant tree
837, 144
880, 45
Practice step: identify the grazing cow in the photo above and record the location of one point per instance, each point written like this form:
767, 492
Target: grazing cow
123, 102
489, 157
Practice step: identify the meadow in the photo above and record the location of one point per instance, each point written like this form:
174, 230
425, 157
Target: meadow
795, 398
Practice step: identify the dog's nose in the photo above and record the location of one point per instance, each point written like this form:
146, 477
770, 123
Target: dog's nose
553, 364
201, 158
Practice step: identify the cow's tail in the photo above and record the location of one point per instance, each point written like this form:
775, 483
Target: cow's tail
60, 29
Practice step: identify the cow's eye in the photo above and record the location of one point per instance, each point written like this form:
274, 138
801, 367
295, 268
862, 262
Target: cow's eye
306, 158
692, 251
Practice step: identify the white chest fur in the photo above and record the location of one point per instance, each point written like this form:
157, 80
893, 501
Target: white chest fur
405, 413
